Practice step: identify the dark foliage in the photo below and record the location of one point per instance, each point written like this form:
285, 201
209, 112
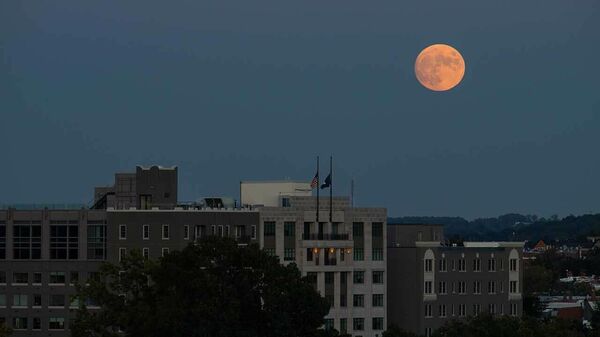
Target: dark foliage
214, 288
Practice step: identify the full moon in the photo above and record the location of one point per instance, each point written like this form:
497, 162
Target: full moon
439, 67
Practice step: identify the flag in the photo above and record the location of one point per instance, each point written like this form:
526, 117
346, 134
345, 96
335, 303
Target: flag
315, 181
327, 182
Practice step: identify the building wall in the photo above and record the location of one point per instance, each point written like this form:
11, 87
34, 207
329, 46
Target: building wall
409, 274
269, 193
314, 251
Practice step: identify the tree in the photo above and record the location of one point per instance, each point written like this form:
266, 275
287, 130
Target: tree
395, 331
214, 288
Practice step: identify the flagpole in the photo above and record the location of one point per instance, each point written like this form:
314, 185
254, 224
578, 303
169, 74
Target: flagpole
331, 189
318, 188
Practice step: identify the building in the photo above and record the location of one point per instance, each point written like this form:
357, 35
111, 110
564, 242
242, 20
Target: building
431, 282
45, 251
342, 249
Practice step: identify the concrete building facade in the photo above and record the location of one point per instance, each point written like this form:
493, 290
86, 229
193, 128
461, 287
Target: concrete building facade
344, 256
431, 282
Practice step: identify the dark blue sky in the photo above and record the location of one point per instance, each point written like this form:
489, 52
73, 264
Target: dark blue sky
232, 90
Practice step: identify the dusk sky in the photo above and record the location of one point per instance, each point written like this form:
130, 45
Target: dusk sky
242, 90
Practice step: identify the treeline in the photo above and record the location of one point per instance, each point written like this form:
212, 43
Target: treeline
511, 227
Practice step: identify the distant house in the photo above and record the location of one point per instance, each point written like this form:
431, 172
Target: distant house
541, 246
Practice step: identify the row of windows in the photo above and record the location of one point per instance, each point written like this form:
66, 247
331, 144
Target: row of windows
358, 300
63, 242
460, 287
376, 254
54, 278
461, 264
358, 324
145, 252
461, 310
22, 301
358, 277
35, 323
199, 231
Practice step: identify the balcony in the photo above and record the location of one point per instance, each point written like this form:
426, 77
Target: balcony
325, 237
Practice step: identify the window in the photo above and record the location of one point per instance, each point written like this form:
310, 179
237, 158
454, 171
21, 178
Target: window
476, 309
428, 288
221, 231
3, 300
513, 287
122, 253
64, 242
269, 251
377, 230
56, 323
57, 301
357, 230
289, 229
19, 323
213, 230
501, 264
514, 309
269, 228
343, 325
328, 324
146, 253
428, 265
462, 287
37, 278
186, 232
378, 277
20, 278
492, 309
358, 300
377, 323
491, 287
285, 202
227, 231
37, 324
2, 277
442, 310
476, 265
165, 252
513, 264
462, 310
309, 254
377, 254
3, 241
27, 242
122, 232
358, 324
359, 254
443, 266
428, 332
57, 277
358, 277
74, 302
428, 311
492, 265
289, 254
377, 300
253, 228
96, 242
442, 288
146, 232
19, 300
37, 300
462, 266
165, 232
73, 277
477, 288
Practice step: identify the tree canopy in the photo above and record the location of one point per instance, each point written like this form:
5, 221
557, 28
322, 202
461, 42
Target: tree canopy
213, 288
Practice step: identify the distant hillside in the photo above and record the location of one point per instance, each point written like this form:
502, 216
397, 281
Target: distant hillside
513, 227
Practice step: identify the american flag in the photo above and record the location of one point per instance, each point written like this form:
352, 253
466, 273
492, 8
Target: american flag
315, 182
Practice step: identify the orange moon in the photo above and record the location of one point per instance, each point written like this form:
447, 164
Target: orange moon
439, 67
